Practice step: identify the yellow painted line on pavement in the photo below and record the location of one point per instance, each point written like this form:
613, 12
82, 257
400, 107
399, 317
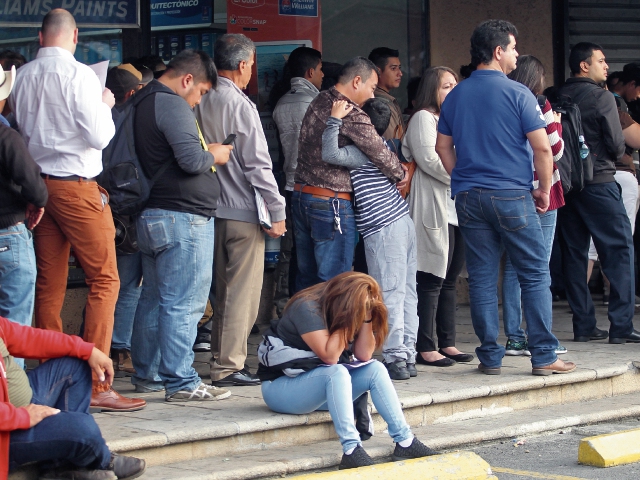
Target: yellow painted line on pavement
449, 466
611, 449
524, 473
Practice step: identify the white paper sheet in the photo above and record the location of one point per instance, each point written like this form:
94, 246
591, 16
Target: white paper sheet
101, 69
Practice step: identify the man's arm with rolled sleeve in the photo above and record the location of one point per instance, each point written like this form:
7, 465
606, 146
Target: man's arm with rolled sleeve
92, 115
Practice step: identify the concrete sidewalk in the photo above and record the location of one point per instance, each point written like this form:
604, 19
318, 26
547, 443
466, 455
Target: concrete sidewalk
239, 438
162, 422
438, 380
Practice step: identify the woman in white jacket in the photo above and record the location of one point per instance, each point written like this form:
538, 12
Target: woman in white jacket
440, 244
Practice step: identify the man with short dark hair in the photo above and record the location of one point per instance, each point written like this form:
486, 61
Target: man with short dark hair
390, 75
322, 207
494, 124
239, 240
305, 67
597, 210
176, 228
65, 118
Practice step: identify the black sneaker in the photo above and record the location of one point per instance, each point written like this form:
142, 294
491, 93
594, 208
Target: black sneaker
358, 458
127, 468
417, 449
203, 339
413, 371
398, 370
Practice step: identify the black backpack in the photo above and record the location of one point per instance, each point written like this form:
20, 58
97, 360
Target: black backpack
576, 164
123, 176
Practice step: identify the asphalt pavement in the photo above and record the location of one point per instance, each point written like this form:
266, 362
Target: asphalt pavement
554, 456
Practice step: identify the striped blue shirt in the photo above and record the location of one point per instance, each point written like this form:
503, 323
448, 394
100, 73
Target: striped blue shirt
377, 200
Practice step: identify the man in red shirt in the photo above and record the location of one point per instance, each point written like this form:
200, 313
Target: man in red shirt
44, 414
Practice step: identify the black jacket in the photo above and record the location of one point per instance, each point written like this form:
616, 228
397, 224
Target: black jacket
601, 125
165, 131
20, 181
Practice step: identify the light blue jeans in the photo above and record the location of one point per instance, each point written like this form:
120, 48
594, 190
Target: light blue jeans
177, 251
17, 275
130, 273
334, 388
391, 260
511, 294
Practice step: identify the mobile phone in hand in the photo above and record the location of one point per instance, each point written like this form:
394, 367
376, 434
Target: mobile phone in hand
229, 139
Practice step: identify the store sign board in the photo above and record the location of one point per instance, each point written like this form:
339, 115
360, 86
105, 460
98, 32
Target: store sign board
88, 13
298, 8
180, 13
276, 20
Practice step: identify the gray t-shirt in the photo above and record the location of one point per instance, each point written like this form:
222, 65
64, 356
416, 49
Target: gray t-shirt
302, 316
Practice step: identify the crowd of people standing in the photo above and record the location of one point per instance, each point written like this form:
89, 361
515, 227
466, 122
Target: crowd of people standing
469, 176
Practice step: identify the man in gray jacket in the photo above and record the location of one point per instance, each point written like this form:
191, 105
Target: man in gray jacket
239, 239
305, 66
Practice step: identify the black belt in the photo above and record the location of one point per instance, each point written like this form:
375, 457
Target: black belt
70, 178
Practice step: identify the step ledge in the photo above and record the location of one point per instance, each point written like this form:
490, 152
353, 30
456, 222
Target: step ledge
156, 439
322, 461
530, 383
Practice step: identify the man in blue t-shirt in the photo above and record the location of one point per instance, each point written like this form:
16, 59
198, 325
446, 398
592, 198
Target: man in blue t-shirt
497, 129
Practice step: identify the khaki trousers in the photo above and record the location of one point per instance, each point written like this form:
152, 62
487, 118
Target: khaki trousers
239, 263
75, 216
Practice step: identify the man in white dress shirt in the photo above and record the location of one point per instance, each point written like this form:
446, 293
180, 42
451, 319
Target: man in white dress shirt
65, 119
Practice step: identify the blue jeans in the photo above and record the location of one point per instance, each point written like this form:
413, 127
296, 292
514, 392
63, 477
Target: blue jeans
334, 388
72, 436
490, 221
598, 210
391, 260
177, 251
17, 275
511, 305
322, 251
130, 273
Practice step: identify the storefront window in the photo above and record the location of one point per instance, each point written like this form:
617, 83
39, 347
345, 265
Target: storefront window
355, 27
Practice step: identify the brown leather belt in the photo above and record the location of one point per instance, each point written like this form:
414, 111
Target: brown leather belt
321, 192
70, 178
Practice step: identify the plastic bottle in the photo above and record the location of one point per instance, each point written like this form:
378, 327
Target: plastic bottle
584, 148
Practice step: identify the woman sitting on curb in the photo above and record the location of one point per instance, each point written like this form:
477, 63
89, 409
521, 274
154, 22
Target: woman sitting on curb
305, 365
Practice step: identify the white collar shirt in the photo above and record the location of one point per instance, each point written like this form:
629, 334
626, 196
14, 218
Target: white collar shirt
58, 106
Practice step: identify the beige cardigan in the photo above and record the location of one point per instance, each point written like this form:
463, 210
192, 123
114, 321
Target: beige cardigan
430, 189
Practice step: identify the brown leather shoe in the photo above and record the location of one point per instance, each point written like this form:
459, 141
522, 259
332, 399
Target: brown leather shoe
489, 370
559, 366
111, 401
122, 361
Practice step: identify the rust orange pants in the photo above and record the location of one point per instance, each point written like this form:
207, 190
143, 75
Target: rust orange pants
75, 216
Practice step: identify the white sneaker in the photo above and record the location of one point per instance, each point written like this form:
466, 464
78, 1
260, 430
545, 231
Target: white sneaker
202, 393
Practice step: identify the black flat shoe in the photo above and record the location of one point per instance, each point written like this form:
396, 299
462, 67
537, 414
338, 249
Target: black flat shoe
460, 357
238, 379
443, 362
597, 334
633, 337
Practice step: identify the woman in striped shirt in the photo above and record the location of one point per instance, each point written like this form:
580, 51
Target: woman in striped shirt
530, 72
